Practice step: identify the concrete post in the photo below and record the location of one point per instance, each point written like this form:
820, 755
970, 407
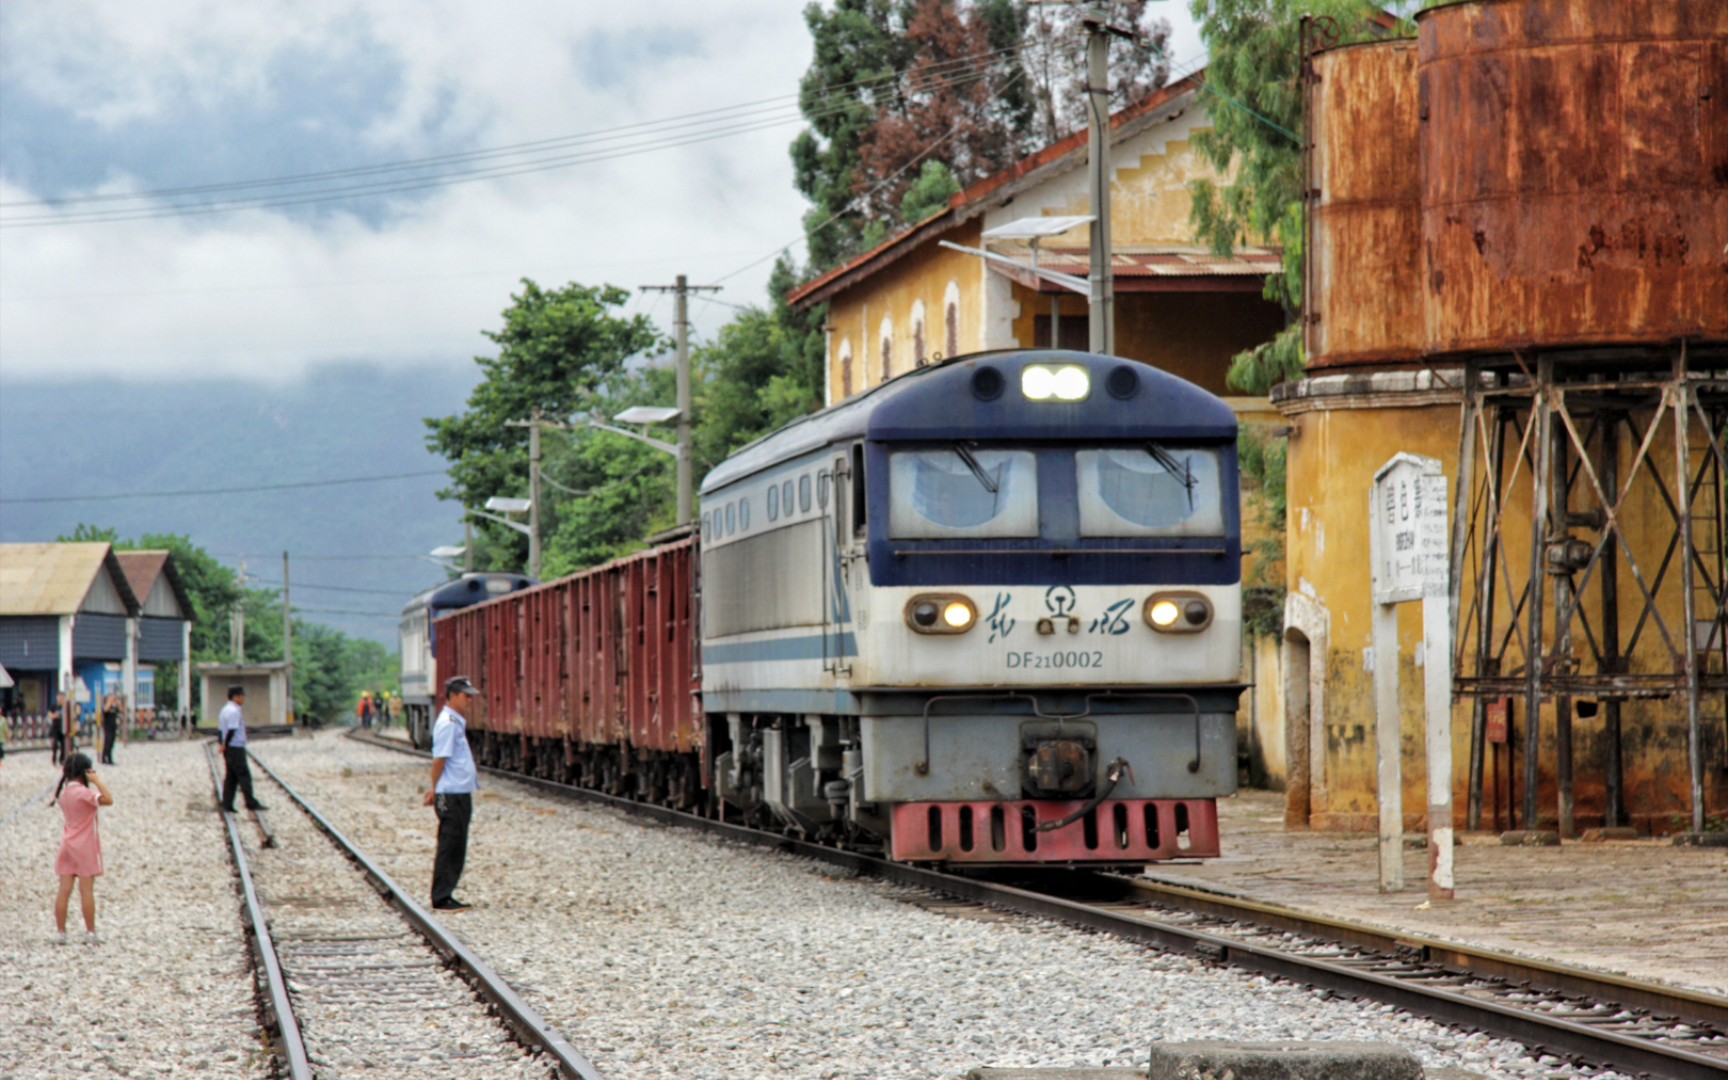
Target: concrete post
686, 497
1102, 321
185, 687
534, 496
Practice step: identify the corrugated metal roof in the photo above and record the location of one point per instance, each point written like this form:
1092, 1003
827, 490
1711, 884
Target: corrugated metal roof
1163, 261
142, 570
54, 579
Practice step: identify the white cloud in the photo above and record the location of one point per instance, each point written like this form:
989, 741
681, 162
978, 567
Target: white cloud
265, 295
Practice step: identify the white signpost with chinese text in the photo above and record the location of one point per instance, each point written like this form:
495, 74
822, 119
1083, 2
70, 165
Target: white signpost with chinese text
1408, 542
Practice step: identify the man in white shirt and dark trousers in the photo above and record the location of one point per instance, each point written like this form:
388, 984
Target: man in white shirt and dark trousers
231, 729
453, 784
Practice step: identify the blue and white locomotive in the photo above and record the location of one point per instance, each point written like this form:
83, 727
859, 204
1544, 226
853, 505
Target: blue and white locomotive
988, 612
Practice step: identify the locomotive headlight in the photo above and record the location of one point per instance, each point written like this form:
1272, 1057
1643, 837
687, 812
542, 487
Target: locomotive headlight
1178, 613
1163, 614
940, 613
1055, 382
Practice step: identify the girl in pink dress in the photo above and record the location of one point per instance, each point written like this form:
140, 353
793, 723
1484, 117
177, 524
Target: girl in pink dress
80, 857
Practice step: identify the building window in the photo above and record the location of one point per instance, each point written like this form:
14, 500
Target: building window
846, 368
920, 356
951, 320
887, 350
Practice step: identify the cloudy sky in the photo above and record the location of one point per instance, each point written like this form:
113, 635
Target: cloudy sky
615, 142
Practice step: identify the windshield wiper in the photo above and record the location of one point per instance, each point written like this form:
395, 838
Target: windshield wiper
984, 478
1178, 469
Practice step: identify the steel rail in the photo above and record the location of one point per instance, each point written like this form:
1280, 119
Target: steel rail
1546, 1033
1694, 1005
280, 1006
523, 1018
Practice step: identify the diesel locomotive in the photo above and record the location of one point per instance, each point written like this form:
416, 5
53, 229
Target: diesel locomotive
986, 613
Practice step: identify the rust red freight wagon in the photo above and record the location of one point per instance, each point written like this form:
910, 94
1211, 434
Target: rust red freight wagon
590, 679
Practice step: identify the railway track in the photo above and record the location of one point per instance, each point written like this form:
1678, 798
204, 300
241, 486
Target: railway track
355, 976
1586, 1017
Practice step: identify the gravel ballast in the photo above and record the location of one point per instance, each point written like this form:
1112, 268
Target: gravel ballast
660, 953
168, 991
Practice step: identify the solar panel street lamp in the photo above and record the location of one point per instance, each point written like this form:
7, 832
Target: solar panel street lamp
646, 415
506, 505
1032, 230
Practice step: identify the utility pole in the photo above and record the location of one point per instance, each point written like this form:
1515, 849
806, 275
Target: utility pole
1102, 323
287, 641
681, 320
534, 495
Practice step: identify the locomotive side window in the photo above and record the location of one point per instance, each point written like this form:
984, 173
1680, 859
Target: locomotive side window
744, 513
1149, 491
804, 493
822, 483
731, 518
774, 502
786, 496
860, 505
939, 493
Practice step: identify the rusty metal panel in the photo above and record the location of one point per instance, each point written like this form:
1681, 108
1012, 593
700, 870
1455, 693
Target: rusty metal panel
543, 660
1364, 266
461, 650
1574, 166
659, 640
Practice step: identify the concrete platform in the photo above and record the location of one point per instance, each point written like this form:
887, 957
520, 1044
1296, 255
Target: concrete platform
1647, 909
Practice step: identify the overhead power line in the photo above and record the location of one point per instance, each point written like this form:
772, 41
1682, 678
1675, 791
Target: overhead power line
497, 163
298, 585
223, 491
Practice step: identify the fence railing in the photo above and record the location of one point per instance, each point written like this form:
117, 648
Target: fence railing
30, 731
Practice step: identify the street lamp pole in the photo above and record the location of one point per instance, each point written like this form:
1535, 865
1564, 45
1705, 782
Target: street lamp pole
1102, 324
681, 329
534, 496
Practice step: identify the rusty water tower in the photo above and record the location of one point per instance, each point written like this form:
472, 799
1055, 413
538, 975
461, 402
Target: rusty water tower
1534, 195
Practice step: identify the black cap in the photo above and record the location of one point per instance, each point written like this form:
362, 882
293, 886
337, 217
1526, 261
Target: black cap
460, 685
234, 690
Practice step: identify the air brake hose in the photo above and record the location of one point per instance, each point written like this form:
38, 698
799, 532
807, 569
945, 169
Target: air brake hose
1111, 775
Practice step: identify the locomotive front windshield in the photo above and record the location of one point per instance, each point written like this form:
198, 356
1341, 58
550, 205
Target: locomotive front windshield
965, 491
1149, 492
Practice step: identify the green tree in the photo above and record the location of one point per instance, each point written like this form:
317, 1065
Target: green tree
556, 350
857, 55
931, 192
1253, 82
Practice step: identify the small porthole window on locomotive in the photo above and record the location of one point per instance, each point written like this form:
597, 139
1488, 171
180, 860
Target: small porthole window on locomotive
804, 493
731, 518
786, 496
773, 502
744, 513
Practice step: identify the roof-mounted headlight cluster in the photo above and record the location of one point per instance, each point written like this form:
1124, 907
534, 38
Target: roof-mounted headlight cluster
1055, 382
941, 613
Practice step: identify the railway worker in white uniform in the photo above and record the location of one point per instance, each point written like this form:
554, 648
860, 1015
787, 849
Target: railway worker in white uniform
231, 729
453, 784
